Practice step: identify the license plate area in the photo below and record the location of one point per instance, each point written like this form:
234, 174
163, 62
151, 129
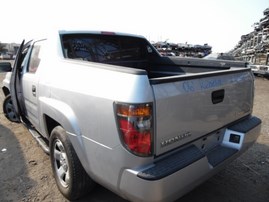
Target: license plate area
210, 141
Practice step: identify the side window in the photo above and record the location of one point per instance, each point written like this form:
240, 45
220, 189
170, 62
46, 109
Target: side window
35, 57
25, 55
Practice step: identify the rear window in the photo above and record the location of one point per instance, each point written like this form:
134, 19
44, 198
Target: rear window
105, 48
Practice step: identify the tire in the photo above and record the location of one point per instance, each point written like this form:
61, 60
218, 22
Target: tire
71, 178
8, 110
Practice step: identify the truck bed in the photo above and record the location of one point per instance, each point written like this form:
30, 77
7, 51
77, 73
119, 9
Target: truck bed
175, 66
137, 53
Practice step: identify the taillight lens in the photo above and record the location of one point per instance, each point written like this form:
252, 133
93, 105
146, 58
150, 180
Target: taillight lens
135, 122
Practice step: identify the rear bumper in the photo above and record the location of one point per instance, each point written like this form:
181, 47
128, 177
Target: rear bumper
171, 177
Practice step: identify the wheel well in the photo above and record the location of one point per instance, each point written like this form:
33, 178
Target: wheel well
6, 91
50, 123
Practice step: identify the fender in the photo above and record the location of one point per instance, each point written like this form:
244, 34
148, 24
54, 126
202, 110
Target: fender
64, 115
6, 84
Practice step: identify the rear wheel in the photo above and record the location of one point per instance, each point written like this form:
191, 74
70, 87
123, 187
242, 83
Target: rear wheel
71, 178
8, 110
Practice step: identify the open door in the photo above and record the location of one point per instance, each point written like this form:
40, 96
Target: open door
15, 88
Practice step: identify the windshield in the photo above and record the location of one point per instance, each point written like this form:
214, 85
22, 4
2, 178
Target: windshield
105, 48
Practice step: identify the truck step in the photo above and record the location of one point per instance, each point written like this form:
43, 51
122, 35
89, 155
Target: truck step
219, 154
172, 163
246, 125
39, 140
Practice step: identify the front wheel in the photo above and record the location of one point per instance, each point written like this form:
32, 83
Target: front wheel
9, 111
71, 178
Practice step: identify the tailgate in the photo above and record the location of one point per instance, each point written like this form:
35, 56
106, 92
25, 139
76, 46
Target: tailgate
190, 107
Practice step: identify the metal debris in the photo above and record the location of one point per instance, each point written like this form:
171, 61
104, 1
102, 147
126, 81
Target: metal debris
254, 47
182, 49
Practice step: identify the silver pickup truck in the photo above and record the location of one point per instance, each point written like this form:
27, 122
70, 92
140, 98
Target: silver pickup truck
108, 108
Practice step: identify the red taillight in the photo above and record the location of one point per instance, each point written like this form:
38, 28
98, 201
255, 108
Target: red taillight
135, 125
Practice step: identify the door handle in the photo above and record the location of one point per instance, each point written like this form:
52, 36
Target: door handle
217, 96
34, 90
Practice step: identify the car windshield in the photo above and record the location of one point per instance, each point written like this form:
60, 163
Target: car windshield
104, 48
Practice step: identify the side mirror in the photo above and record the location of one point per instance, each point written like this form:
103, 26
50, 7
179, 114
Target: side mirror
5, 67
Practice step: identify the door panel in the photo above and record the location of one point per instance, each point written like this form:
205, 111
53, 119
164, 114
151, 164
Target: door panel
29, 81
30, 86
15, 89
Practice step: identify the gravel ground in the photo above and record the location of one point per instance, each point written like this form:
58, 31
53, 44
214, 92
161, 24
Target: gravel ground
26, 175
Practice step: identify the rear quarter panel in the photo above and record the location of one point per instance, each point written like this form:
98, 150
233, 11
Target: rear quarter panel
90, 91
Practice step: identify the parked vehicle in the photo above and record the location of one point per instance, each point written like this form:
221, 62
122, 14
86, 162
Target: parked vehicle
4, 56
260, 70
108, 108
5, 67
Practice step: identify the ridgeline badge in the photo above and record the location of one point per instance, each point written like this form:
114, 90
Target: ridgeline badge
175, 139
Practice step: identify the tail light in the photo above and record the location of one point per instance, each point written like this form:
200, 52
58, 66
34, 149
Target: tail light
135, 123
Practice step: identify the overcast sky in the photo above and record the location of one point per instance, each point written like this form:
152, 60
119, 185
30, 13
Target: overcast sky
220, 23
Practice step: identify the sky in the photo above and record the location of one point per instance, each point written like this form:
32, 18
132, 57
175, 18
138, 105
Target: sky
220, 23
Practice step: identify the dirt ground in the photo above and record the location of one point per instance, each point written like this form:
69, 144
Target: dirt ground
26, 175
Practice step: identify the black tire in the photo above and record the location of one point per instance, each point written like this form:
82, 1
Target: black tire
8, 110
71, 178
